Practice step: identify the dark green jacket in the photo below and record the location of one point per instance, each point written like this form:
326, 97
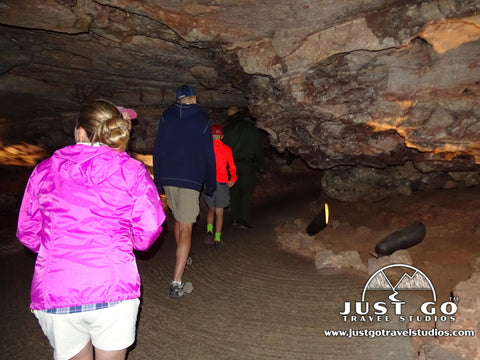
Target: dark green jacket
246, 142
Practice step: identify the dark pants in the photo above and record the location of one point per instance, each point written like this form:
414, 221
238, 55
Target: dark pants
241, 192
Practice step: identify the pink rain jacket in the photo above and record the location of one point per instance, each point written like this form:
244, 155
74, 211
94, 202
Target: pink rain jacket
84, 211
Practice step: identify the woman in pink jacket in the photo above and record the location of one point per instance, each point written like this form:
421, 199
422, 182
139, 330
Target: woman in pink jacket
84, 211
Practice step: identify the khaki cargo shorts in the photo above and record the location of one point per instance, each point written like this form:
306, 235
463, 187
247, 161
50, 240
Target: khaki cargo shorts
184, 203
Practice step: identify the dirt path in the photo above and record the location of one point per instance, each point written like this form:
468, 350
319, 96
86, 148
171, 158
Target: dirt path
251, 301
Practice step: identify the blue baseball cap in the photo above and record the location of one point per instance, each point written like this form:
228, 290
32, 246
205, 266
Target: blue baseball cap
184, 91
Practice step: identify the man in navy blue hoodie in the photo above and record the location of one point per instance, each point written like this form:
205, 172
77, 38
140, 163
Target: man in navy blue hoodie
184, 161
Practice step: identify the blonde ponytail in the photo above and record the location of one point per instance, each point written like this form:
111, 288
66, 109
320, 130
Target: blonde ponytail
103, 123
113, 132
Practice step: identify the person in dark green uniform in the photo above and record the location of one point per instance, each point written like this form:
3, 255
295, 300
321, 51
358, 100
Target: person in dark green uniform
246, 142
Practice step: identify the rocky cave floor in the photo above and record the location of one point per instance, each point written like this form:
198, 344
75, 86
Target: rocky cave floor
451, 217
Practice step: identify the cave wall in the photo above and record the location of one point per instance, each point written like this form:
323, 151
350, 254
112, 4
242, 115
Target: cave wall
375, 83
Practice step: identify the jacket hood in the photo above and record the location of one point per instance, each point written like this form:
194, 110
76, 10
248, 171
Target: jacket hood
86, 163
186, 110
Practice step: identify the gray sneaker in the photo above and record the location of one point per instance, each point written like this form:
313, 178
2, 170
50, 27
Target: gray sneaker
178, 290
188, 263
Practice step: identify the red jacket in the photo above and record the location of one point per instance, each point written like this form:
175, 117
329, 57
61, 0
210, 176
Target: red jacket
224, 158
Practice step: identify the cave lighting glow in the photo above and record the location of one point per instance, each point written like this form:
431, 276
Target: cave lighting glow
319, 222
327, 213
29, 155
22, 154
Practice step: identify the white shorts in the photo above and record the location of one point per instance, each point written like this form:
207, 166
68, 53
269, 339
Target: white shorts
109, 329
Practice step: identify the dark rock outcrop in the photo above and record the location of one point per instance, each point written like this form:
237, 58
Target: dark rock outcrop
373, 83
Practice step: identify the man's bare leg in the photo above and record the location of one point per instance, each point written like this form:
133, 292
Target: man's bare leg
183, 237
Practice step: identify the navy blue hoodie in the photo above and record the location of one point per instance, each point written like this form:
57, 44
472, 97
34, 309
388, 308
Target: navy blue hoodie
183, 155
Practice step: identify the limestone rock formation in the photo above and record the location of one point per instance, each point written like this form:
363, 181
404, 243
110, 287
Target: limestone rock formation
373, 83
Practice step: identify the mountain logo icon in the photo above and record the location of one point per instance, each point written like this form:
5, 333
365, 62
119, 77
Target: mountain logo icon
412, 279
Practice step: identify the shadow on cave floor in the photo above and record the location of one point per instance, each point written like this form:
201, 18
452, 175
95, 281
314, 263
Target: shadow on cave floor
251, 300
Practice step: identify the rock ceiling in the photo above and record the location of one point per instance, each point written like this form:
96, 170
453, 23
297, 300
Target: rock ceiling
336, 82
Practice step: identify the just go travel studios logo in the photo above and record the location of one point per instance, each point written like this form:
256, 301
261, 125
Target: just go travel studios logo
382, 298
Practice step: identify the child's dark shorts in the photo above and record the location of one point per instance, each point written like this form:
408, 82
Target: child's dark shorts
220, 198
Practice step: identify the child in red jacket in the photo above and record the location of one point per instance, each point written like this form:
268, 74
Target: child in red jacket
226, 173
